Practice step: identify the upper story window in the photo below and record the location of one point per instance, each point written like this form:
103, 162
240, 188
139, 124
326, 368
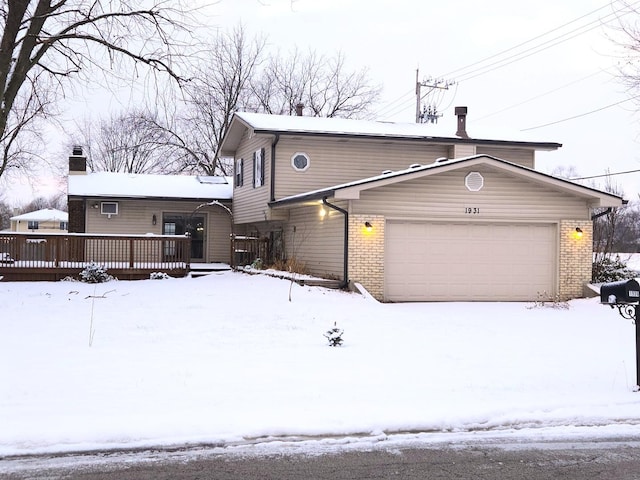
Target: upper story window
109, 208
33, 225
239, 172
300, 161
258, 168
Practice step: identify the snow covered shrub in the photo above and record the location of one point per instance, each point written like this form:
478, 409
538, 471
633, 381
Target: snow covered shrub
257, 264
608, 269
94, 273
334, 336
159, 276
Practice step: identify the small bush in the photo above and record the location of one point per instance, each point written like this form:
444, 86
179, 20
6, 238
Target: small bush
258, 264
94, 273
609, 269
334, 336
158, 276
290, 265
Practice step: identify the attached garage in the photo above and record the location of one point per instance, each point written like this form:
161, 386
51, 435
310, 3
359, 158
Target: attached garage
438, 261
468, 229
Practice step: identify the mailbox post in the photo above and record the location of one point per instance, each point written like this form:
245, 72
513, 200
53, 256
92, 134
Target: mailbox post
625, 296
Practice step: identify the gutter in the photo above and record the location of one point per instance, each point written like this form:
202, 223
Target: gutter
345, 274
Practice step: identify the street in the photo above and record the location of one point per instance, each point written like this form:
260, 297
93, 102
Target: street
617, 458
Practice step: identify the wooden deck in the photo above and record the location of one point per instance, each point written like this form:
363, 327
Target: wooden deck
54, 256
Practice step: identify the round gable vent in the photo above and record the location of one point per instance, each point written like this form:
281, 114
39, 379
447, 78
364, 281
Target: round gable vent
474, 182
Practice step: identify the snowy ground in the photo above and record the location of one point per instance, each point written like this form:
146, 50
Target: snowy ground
228, 359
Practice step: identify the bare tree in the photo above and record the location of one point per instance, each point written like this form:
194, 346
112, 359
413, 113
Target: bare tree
322, 84
128, 142
47, 44
216, 89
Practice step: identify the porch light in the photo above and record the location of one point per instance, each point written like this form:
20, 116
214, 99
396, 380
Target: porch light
154, 220
578, 233
368, 226
323, 212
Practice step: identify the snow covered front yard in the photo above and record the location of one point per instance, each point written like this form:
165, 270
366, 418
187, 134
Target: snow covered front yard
227, 358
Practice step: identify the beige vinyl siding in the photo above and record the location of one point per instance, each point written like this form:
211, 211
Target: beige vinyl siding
445, 196
334, 161
135, 217
463, 150
250, 204
316, 243
522, 157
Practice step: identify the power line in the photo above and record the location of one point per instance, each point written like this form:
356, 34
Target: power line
548, 92
539, 47
605, 175
581, 115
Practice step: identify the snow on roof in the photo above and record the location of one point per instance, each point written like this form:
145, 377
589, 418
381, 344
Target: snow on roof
128, 185
445, 128
44, 215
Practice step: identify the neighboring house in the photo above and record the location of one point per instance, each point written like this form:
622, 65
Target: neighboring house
122, 203
48, 220
411, 215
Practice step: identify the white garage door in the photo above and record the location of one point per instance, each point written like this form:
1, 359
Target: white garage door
469, 261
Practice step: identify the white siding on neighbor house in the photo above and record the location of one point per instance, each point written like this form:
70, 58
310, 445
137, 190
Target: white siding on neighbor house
334, 161
444, 196
316, 242
249, 203
522, 157
135, 217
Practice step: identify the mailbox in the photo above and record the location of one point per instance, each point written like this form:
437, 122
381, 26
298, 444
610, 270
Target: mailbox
625, 291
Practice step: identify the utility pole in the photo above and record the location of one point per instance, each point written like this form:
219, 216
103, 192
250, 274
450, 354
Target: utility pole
429, 113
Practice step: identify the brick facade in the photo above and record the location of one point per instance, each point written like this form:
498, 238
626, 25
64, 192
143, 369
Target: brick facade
576, 258
366, 253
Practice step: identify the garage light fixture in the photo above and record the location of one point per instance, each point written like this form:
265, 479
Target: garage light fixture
368, 226
578, 233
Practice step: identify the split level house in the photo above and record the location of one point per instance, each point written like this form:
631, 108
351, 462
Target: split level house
411, 215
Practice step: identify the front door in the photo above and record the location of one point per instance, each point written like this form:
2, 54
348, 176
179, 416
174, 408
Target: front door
181, 224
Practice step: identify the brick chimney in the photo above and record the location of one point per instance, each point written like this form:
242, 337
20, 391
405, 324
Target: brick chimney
461, 113
299, 108
77, 162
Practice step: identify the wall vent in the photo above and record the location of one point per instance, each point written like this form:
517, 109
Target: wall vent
474, 182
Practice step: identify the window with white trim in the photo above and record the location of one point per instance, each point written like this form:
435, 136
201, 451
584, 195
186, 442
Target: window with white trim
109, 208
239, 177
300, 161
258, 168
33, 225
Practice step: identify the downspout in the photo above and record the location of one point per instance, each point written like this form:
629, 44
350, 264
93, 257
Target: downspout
345, 275
272, 183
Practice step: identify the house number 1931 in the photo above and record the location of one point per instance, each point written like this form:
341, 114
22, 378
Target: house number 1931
472, 210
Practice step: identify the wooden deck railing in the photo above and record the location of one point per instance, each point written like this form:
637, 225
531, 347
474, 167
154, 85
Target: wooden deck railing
48, 256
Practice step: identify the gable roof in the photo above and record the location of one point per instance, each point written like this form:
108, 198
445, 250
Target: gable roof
128, 185
44, 215
351, 190
261, 123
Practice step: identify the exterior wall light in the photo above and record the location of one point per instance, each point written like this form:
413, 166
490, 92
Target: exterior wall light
154, 219
368, 226
578, 233
323, 212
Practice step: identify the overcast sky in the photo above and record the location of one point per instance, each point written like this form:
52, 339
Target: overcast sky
521, 71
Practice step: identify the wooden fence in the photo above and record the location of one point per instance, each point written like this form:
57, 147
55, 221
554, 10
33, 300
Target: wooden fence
53, 256
246, 249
